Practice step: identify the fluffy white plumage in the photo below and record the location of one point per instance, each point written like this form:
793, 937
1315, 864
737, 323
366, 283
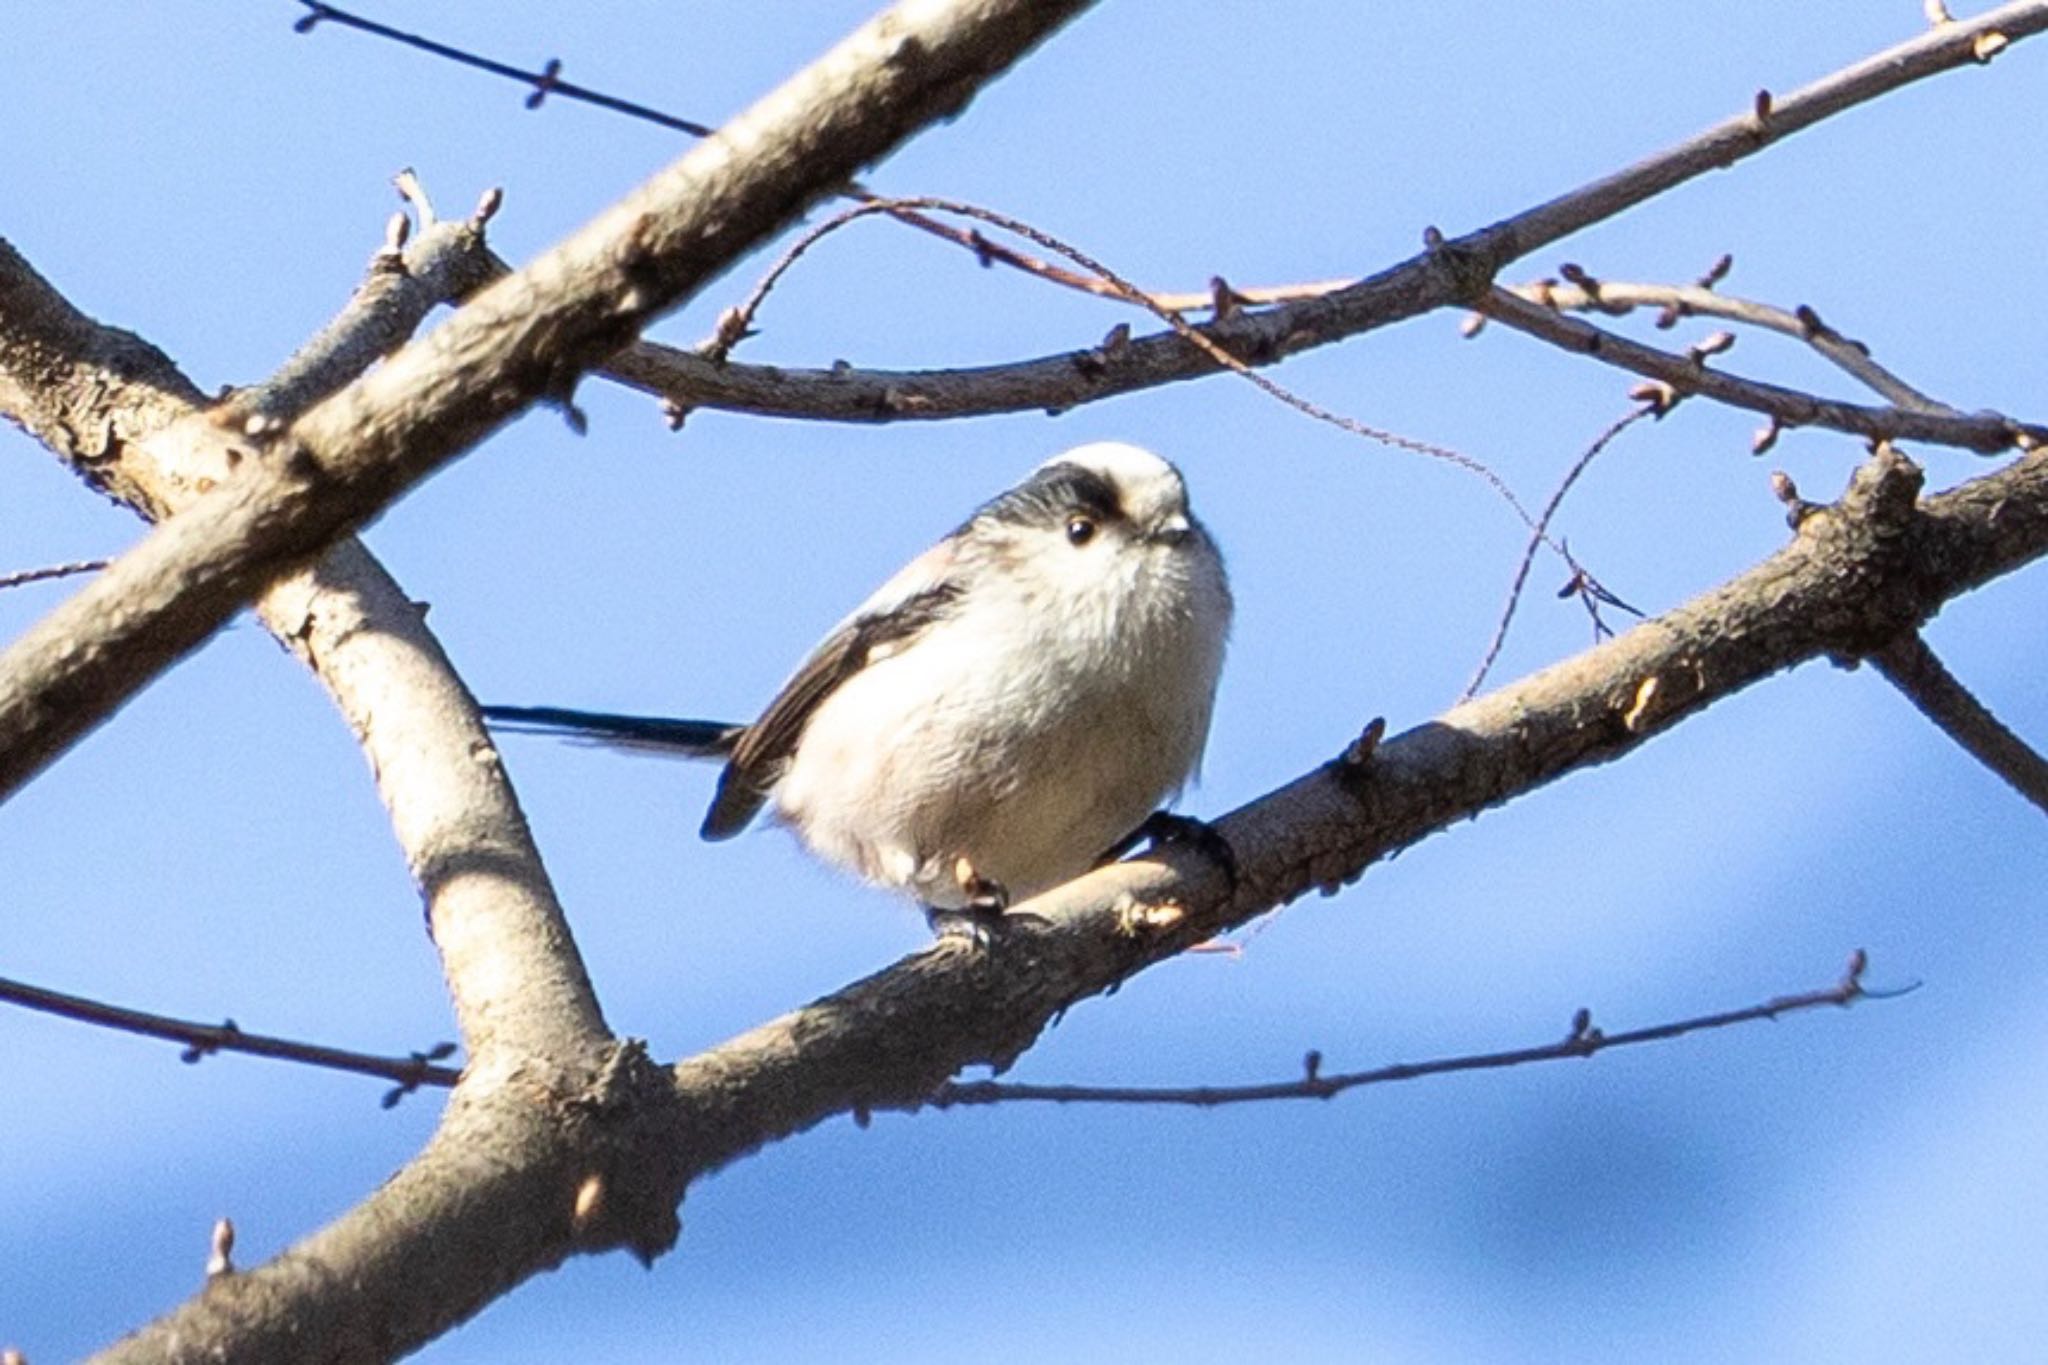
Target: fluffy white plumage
1014, 703
1058, 696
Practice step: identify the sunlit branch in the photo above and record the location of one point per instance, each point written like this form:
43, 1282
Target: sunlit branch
1690, 374
1583, 1040
1909, 665
203, 1040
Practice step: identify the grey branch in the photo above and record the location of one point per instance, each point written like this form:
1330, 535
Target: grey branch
531, 1167
204, 1039
539, 1051
1909, 665
1582, 1040
1617, 297
528, 337
1457, 275
500, 929
1985, 433
1856, 575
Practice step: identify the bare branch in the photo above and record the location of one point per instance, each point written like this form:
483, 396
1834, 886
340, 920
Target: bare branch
518, 1133
527, 337
1855, 574
1539, 533
203, 1040
1583, 1040
1617, 298
1056, 383
1224, 300
23, 577
545, 82
1909, 665
1986, 433
548, 81
445, 261
510, 963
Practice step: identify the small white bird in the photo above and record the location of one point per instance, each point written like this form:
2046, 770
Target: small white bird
1010, 708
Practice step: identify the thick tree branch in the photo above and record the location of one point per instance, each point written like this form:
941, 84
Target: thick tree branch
1856, 576
512, 971
529, 336
518, 985
1457, 275
530, 1164
1909, 665
522, 1175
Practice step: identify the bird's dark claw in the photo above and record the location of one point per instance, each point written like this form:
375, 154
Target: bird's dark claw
1164, 827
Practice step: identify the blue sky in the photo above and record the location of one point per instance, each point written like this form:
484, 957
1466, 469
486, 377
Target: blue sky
1838, 1185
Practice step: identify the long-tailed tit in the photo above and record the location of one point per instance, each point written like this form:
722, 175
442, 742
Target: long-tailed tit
1008, 709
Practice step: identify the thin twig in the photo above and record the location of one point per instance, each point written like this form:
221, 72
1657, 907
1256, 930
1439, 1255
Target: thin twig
203, 1040
736, 323
1617, 297
1583, 1040
545, 82
1985, 433
1267, 336
548, 82
1538, 534
22, 576
1912, 667
997, 253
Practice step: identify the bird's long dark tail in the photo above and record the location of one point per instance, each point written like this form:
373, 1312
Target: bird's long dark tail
684, 738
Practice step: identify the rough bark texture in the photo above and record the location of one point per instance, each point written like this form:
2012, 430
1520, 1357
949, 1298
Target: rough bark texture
530, 336
1856, 576
560, 1139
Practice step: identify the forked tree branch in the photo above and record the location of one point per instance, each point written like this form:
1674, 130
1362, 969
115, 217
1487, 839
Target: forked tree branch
499, 928
529, 337
527, 1121
1685, 375
1619, 297
1456, 276
520, 1177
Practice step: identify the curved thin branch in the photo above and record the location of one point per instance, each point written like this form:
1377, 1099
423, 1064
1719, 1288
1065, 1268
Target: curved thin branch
1985, 433
1455, 275
1619, 297
1909, 665
1539, 533
1583, 1040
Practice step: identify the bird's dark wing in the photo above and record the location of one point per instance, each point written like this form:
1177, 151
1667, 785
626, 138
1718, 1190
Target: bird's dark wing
691, 738
765, 746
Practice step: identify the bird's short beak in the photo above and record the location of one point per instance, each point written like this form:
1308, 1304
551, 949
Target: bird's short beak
1173, 530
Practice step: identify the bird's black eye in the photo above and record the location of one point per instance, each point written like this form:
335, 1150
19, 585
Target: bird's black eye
1080, 530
